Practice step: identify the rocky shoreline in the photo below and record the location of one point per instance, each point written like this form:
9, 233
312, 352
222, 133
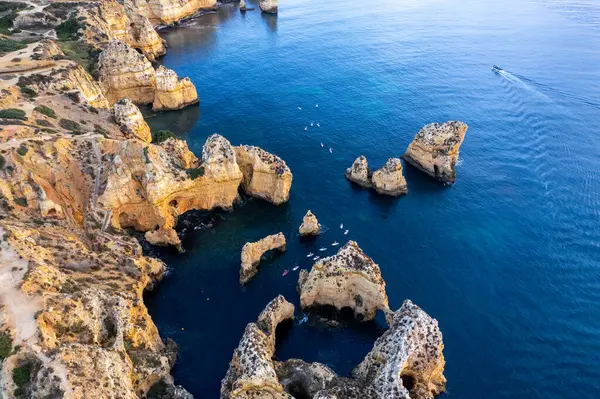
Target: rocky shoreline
79, 166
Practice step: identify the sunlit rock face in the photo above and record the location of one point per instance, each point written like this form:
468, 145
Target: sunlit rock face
434, 149
266, 175
166, 12
253, 251
359, 172
172, 92
128, 116
310, 225
349, 279
269, 6
389, 180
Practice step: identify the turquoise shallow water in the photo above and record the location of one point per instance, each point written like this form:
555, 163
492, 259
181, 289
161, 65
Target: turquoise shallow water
507, 260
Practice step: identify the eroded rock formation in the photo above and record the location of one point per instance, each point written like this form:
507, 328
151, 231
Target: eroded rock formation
434, 149
348, 279
269, 6
130, 119
253, 251
163, 12
389, 179
406, 361
359, 172
125, 73
266, 175
172, 92
310, 225
251, 372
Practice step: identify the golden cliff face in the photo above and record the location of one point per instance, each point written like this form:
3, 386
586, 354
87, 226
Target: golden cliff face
109, 20
128, 116
163, 12
173, 92
124, 73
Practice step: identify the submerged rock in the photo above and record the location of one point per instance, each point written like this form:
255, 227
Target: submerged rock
269, 6
310, 225
434, 149
359, 172
266, 175
130, 119
251, 372
389, 179
253, 251
406, 362
172, 92
349, 279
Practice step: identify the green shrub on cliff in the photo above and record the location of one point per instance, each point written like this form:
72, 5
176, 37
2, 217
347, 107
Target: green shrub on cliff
5, 345
7, 45
44, 110
21, 378
22, 150
162, 135
13, 113
195, 172
70, 125
68, 30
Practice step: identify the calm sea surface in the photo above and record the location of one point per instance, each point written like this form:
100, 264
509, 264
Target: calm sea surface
507, 260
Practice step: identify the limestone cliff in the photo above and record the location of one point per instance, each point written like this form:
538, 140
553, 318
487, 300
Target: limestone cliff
389, 179
172, 92
407, 360
125, 73
251, 372
310, 225
253, 251
434, 149
359, 172
129, 118
348, 279
266, 175
269, 6
109, 20
163, 12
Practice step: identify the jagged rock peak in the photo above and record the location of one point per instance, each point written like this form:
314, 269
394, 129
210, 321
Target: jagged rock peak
310, 225
128, 116
253, 251
359, 172
389, 179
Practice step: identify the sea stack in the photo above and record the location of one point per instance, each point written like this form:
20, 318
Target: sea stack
242, 5
434, 149
310, 225
359, 172
128, 116
348, 279
253, 251
172, 92
269, 6
389, 180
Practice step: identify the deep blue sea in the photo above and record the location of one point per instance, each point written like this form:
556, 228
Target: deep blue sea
507, 260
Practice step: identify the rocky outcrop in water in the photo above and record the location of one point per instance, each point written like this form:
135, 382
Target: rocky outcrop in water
310, 225
389, 179
269, 6
253, 251
172, 92
128, 116
434, 149
166, 12
251, 372
349, 279
125, 73
406, 362
359, 172
266, 175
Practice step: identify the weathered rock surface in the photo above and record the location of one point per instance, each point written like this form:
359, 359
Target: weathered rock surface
109, 20
130, 119
253, 251
164, 238
172, 92
406, 361
266, 175
166, 12
269, 6
434, 149
251, 372
125, 73
242, 5
348, 279
310, 225
359, 172
389, 179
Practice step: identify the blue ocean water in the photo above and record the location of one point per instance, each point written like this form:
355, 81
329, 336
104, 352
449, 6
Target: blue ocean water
507, 260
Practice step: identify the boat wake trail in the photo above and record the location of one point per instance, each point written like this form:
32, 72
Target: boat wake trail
519, 82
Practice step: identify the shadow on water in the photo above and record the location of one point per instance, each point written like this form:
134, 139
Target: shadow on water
270, 21
180, 122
